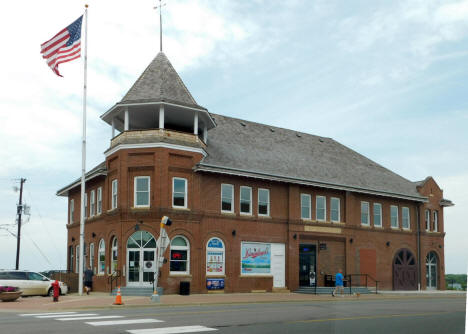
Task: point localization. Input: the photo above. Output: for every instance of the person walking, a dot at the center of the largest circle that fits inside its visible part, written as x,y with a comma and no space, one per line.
88,280
338,283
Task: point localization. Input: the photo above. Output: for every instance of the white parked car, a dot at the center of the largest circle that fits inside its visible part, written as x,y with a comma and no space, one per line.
30,282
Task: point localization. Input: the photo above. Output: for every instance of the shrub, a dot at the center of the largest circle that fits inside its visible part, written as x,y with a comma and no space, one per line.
8,289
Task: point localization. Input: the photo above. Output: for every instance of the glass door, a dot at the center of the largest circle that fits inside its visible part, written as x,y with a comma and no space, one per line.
149,266
307,274
133,267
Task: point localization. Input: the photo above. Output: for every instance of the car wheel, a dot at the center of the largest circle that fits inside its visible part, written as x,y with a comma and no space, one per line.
50,293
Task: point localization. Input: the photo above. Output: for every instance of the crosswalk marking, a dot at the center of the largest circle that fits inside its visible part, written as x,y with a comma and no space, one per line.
172,330
91,318
123,322
65,315
34,314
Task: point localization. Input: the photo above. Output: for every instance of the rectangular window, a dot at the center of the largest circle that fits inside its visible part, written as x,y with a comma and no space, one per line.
377,215
365,213
92,204
99,200
428,220
179,192
114,194
227,198
71,259
85,205
405,218
394,216
436,221
72,210
305,206
246,200
91,256
142,191
263,202
321,208
335,209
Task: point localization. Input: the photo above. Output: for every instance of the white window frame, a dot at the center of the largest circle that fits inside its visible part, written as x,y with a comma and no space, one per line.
232,197
101,250
250,201
308,199
77,259
72,210
223,250
85,205
114,251
92,203
436,220
377,205
407,210
115,193
397,221
336,199
367,213
99,201
428,219
267,203
324,208
187,248
135,191
185,192
91,256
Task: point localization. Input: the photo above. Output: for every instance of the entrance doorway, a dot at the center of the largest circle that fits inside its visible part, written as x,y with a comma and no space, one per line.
307,265
431,271
141,255
405,271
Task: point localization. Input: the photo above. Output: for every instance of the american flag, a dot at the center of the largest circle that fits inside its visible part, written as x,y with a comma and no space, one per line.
63,47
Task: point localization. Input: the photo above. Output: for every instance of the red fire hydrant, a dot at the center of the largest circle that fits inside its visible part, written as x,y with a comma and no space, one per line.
56,288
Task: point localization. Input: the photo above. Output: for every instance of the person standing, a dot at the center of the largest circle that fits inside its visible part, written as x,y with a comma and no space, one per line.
88,280
338,283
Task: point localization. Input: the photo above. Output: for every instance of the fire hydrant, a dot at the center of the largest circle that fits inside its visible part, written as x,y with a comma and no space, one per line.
56,288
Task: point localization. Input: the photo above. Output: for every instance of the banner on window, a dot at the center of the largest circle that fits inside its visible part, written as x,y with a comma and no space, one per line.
214,262
255,258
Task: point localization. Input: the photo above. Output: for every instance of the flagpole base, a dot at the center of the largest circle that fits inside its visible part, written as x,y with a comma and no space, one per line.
155,298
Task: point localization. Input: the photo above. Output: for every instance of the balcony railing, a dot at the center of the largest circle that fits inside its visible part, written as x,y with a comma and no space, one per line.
157,135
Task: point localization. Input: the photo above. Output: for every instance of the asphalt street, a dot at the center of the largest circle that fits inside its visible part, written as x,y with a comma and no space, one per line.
343,315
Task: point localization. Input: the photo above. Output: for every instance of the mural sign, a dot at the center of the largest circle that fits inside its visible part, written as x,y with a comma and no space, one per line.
215,283
255,258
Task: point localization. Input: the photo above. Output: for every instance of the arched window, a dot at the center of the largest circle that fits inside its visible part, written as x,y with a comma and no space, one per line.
102,257
114,255
215,257
180,255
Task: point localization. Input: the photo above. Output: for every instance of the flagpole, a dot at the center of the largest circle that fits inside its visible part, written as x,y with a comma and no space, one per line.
83,161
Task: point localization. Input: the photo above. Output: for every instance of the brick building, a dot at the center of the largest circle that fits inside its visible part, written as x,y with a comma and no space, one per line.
254,207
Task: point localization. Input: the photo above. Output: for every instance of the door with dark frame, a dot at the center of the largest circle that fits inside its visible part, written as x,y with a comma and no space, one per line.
307,265
405,271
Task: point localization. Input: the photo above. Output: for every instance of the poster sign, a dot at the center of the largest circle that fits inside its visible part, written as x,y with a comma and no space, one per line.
255,258
215,243
215,283
214,262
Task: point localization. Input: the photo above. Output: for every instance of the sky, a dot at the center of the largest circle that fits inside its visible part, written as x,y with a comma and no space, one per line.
385,78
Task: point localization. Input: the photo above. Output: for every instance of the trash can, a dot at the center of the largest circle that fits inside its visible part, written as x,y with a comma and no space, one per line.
184,288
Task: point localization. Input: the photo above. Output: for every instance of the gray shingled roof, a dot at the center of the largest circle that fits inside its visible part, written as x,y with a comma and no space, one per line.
266,150
160,82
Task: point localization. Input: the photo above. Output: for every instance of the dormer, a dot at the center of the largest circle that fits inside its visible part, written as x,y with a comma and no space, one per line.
159,107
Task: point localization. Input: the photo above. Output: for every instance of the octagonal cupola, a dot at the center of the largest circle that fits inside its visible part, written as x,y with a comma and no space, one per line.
157,105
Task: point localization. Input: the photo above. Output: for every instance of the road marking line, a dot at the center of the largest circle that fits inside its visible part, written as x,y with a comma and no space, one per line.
123,322
173,330
65,315
34,314
91,318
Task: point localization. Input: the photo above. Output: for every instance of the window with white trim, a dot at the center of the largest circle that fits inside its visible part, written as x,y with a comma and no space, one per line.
72,210
227,198
115,189
180,256
77,257
141,191
306,206
71,259
215,257
321,208
92,203
335,209
102,257
405,218
394,216
85,205
377,215
99,200
245,200
179,192
365,213
428,220
436,221
91,256
263,202
114,252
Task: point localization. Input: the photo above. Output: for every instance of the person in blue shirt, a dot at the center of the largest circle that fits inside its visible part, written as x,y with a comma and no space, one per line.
338,283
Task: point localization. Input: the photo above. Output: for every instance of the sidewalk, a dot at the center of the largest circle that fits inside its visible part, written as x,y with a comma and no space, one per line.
104,300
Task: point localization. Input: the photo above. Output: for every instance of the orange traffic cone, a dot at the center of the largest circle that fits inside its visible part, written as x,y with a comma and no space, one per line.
118,298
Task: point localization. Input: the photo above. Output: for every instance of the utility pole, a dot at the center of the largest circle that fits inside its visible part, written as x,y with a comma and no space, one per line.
19,211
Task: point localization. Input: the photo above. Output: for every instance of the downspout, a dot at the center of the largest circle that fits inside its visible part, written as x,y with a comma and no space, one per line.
419,245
